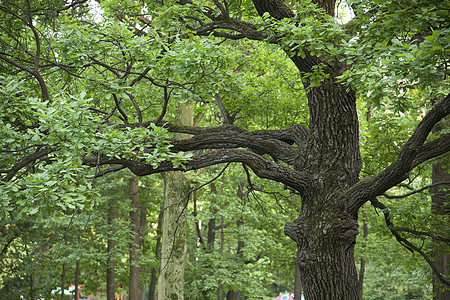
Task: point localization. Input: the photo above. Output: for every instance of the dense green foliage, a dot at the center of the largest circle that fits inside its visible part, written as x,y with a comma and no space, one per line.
78,83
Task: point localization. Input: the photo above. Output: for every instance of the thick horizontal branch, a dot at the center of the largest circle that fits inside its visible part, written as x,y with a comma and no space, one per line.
245,30
412,154
297,134
262,166
276,143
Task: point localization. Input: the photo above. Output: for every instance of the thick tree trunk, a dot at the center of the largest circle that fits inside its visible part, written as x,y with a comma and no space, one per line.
326,263
173,250
325,231
440,207
135,246
230,295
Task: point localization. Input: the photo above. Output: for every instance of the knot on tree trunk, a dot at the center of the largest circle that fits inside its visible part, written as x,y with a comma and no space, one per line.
291,230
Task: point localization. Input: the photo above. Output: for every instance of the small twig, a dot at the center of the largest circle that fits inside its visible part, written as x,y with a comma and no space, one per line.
416,191
164,108
122,112
107,171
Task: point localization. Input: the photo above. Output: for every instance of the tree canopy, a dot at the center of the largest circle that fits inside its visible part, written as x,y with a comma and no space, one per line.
340,111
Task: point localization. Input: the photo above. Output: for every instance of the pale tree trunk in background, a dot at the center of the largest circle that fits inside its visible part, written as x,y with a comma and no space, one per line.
110,267
439,207
173,250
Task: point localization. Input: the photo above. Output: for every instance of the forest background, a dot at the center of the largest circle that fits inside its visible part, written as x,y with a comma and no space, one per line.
97,94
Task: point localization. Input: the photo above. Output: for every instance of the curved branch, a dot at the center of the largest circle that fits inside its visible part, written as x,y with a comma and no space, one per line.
137,108
277,149
262,166
412,154
277,143
416,191
37,75
246,30
164,108
434,237
122,112
26,161
404,242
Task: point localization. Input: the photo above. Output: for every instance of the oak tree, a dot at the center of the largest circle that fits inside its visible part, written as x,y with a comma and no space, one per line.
388,50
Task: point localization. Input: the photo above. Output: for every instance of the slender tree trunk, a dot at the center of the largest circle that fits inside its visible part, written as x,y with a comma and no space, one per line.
211,224
142,224
230,295
77,280
110,268
135,244
222,244
152,287
34,281
173,250
240,244
31,287
63,277
440,207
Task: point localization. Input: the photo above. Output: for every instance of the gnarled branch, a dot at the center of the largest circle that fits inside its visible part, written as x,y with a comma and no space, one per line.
262,166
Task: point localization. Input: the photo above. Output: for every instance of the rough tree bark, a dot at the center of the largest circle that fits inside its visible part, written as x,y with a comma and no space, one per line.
173,250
